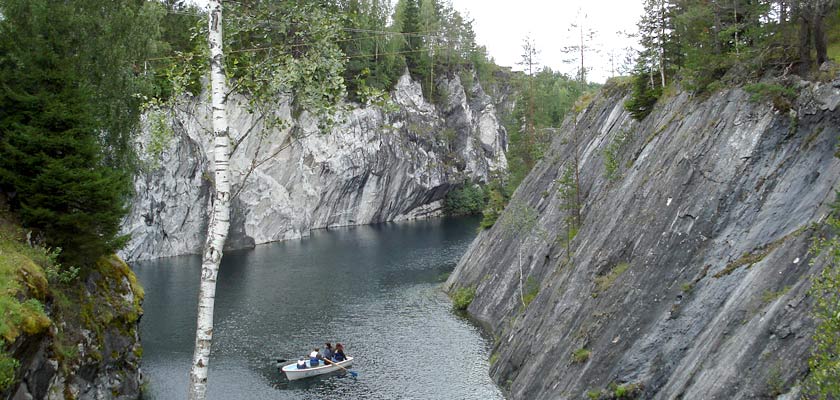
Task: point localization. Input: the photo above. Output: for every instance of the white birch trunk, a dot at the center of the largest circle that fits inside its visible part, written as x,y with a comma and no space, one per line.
217,229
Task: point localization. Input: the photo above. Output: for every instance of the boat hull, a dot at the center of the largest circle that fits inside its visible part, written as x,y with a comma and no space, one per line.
293,373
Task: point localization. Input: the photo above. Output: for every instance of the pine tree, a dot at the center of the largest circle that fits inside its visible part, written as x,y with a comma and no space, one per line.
413,38
53,133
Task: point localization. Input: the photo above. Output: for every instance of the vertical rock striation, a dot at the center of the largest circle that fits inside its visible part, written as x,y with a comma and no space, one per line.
688,277
379,164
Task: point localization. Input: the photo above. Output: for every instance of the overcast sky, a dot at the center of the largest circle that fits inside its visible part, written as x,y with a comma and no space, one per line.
501,25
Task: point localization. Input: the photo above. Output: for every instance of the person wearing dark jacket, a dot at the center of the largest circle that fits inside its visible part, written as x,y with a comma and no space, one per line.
338,354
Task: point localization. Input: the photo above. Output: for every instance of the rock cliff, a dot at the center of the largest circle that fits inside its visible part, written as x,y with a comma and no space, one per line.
82,343
378,164
688,275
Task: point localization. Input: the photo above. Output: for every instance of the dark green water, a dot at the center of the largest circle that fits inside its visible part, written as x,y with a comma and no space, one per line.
374,288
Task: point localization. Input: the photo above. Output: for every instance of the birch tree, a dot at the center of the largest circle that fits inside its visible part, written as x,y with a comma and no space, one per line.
217,229
290,51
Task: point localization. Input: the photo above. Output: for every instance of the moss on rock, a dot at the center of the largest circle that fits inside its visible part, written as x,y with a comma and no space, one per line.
84,323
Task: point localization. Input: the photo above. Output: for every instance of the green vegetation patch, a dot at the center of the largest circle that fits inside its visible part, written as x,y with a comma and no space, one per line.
103,310
23,288
532,289
469,199
584,101
31,276
581,355
605,282
615,391
462,297
775,381
833,35
643,97
618,85
494,357
782,97
612,153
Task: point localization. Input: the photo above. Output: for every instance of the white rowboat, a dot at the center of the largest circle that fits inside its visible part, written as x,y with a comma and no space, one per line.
293,373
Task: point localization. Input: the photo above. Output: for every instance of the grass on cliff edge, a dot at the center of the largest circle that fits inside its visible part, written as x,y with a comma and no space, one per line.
23,289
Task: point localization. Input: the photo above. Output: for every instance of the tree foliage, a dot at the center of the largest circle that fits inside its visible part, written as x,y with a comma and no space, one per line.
378,40
469,199
69,90
704,44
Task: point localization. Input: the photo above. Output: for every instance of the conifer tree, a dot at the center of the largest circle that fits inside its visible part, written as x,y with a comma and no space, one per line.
413,37
67,116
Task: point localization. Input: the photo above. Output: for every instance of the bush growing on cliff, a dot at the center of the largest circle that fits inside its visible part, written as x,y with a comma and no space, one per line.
462,297
643,96
612,154
497,198
581,355
782,97
615,391
532,289
8,366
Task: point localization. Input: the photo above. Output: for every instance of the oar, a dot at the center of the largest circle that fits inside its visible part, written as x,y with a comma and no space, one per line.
353,374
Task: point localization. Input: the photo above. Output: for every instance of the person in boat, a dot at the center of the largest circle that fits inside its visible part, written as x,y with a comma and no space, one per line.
338,354
327,353
301,364
314,358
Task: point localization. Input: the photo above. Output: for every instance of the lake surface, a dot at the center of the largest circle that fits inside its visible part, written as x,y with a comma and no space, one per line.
376,289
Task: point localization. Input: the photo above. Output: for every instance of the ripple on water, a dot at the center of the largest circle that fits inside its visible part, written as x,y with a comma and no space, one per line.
375,288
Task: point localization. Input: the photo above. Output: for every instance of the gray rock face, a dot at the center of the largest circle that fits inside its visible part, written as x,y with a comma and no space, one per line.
103,362
377,165
690,272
